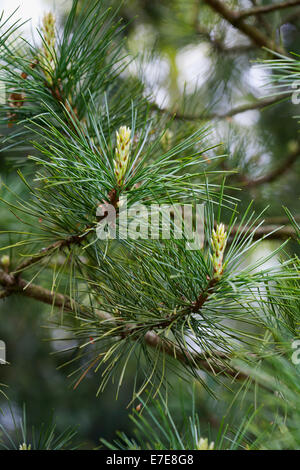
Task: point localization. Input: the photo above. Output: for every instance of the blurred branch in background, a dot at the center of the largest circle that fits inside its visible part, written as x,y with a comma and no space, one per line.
207,116
236,20
258,10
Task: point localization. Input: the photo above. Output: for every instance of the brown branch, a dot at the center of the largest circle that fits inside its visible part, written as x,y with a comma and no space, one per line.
281,220
217,363
202,298
267,8
256,36
13,285
58,245
73,239
274,174
261,104
269,177
280,233
17,285
214,364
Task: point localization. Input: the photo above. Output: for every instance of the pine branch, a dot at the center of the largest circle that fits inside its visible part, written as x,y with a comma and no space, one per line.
256,36
49,250
281,219
204,296
267,8
273,232
199,360
60,244
285,166
261,104
276,173
13,285
22,287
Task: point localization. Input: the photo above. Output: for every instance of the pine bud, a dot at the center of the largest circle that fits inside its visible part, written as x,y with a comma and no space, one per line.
47,56
122,153
218,242
24,446
203,444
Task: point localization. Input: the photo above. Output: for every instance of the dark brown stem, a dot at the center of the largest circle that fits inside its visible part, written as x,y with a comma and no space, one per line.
204,295
193,308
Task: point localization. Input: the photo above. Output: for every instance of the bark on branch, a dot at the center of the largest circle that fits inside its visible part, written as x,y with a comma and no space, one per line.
213,364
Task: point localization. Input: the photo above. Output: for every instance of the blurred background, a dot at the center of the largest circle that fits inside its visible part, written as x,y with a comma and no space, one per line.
195,64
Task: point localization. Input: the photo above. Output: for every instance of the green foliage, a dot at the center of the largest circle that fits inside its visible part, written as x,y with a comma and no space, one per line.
45,437
157,429
167,289
89,61
214,314
275,385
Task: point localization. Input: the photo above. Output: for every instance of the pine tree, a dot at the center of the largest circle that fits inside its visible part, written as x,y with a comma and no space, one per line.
95,159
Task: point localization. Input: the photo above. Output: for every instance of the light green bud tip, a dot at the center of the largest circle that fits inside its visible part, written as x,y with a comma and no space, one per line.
122,153
203,444
218,243
24,446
